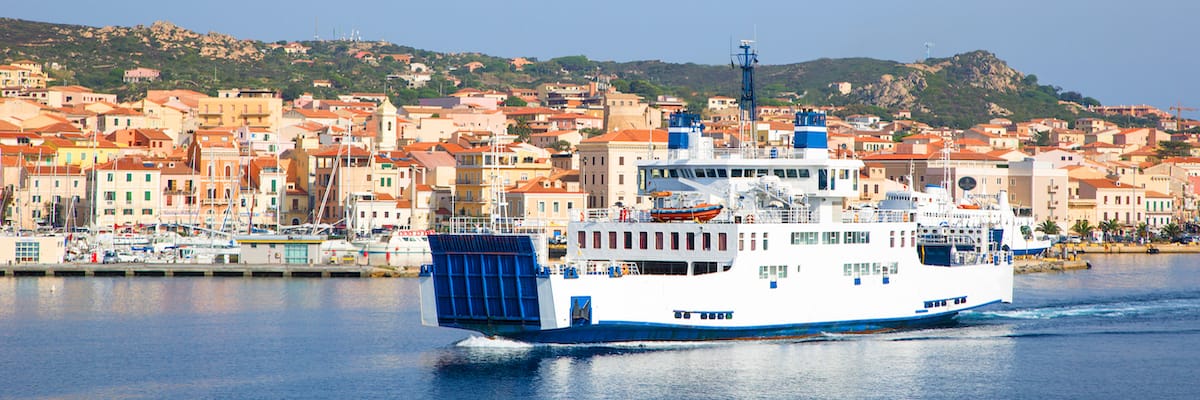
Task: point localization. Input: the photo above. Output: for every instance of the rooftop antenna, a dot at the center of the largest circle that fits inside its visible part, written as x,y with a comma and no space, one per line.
928,48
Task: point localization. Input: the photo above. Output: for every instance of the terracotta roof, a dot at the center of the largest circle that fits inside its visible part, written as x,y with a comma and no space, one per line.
338,151
631,135
1150,194
1104,184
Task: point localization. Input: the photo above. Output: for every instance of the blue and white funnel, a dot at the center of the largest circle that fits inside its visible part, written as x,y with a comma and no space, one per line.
683,133
810,138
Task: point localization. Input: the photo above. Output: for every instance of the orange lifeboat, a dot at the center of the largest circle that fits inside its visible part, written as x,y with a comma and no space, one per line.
700,212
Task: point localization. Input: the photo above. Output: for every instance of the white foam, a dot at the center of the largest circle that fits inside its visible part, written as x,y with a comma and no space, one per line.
1120,309
492,343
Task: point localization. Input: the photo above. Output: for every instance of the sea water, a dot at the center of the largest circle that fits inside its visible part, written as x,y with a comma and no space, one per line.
1128,328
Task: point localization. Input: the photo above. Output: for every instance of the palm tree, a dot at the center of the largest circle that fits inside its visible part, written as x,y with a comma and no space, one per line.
1171,230
1048,227
1143,230
1111,225
1083,228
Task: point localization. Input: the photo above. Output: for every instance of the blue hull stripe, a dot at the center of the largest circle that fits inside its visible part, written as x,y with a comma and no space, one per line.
1027,252
627,331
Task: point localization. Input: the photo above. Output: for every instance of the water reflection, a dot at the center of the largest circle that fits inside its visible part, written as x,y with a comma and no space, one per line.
910,364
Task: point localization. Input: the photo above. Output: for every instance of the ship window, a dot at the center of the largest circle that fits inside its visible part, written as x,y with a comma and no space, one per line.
764,241
700,173
612,240
741,241
893,239
902,238
804,173
673,172
722,173
846,269
753,241
779,172
658,240
913,238
596,240
763,272
721,239
674,240
706,241
628,240
582,240
642,236
830,238
691,241
822,179
805,238
791,174
712,173
704,267
760,172
735,173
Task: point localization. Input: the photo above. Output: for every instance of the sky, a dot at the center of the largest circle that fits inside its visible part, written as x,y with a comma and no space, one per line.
1119,52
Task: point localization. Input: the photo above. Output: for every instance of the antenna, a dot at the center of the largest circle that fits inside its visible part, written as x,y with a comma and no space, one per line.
316,27
928,48
747,105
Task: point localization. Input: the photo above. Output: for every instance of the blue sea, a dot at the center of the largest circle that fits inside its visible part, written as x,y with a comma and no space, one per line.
1128,328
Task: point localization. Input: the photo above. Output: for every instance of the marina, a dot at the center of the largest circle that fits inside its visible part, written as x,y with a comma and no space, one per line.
172,270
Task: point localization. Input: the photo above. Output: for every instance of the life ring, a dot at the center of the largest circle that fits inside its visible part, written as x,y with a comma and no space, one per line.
624,270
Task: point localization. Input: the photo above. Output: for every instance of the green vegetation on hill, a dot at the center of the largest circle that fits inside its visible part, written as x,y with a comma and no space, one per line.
958,91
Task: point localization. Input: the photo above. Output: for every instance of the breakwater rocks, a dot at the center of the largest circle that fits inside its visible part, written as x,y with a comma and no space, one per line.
1038,265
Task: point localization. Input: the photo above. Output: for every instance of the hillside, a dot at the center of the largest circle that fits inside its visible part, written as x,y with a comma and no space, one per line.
957,91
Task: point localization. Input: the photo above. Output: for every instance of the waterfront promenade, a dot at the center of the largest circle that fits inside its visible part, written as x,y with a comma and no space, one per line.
222,270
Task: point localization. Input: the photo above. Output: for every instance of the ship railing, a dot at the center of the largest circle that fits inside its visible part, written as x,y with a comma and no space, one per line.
611,214
850,216
781,216
461,225
754,153
609,268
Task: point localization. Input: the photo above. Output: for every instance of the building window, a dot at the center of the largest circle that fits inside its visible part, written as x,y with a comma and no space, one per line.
294,253
28,252
147,195
128,177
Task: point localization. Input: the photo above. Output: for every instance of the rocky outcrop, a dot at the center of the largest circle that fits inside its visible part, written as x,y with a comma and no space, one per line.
982,69
166,36
893,92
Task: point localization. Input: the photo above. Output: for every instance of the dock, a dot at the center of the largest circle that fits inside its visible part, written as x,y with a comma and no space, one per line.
201,270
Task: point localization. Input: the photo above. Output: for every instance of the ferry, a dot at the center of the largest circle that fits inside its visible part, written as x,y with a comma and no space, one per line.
934,207
784,257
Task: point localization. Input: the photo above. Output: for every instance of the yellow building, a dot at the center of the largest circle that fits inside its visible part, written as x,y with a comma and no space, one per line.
253,108
484,170
82,153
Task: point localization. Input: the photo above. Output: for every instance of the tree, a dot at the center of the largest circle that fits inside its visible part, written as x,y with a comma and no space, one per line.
1143,230
1041,138
514,101
1108,227
1167,149
562,145
591,132
1048,227
521,130
1083,228
1171,231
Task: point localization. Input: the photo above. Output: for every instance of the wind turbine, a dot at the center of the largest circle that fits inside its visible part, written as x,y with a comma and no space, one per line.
928,47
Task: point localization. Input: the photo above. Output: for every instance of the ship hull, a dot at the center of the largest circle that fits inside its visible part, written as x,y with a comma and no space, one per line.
498,285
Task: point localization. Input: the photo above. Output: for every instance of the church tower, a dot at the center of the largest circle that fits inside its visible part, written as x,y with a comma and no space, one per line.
385,128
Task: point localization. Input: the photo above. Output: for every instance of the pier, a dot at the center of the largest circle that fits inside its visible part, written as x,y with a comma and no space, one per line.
200,270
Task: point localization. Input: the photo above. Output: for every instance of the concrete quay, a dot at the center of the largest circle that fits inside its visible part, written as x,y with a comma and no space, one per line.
219,270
